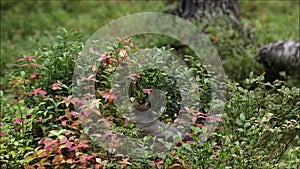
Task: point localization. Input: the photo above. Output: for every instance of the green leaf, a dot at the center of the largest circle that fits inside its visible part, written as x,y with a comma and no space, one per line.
246,125
188,147
22,73
251,74
227,140
240,129
29,156
16,143
242,117
168,161
239,122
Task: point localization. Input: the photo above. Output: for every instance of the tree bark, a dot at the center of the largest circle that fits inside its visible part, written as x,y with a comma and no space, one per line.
190,8
209,10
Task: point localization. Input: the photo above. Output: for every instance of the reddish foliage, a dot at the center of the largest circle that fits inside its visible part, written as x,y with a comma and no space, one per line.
28,58
38,91
108,96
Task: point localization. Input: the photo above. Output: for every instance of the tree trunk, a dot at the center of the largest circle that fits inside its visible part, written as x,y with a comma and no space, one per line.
206,11
200,8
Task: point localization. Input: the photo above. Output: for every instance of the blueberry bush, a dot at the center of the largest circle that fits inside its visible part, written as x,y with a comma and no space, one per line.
41,124
41,128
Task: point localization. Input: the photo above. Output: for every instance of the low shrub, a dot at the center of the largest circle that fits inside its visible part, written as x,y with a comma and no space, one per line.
41,125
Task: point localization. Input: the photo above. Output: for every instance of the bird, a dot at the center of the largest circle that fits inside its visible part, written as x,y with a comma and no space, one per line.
282,55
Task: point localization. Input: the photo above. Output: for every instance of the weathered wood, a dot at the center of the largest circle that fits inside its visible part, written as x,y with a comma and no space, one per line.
280,56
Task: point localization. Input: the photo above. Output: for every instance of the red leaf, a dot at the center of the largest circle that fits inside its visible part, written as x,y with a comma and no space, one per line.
101,56
38,91
48,143
39,120
70,155
148,91
69,100
83,145
23,65
75,114
108,96
107,60
74,124
31,64
86,113
125,162
18,120
2,134
29,58
91,50
63,139
64,123
216,118
20,60
113,59
33,75
133,76
84,158
57,85
89,79
58,159
69,146
126,122
105,135
113,138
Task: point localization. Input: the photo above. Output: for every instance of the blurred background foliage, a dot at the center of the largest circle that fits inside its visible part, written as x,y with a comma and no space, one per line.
29,25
